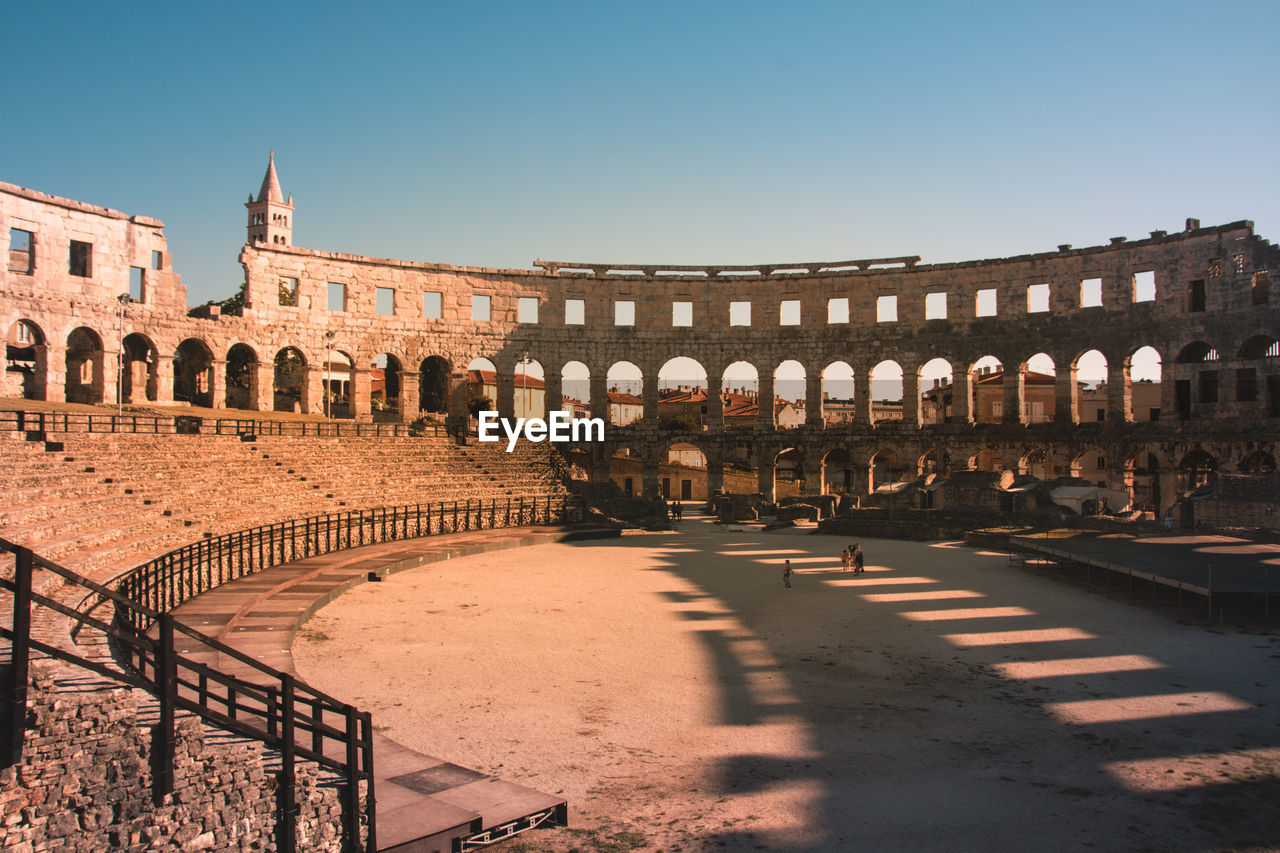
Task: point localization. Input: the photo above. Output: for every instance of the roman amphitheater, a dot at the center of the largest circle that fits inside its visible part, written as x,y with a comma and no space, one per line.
267,591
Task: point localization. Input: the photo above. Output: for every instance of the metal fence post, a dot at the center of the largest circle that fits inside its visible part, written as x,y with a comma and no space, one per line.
15,710
351,794
166,676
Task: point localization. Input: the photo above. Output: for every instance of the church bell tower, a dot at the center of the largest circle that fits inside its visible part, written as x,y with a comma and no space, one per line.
270,217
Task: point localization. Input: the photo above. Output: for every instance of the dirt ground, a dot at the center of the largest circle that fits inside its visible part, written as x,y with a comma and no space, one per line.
681,698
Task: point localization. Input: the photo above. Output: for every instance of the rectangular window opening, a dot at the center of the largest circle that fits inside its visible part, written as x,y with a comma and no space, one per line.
527,310
1196,295
1037,298
157,259
575,312
624,313
385,298
739,313
789,312
838,309
22,254
682,313
1091,293
1144,286
1246,385
80,259
985,303
337,293
135,284
1209,386
432,305
935,306
1261,289
886,309
287,288
481,307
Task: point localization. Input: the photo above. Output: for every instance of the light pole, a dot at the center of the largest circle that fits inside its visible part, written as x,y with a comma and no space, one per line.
324,375
524,383
122,300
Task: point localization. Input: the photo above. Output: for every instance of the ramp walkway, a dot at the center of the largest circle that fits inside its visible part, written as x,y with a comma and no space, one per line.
425,804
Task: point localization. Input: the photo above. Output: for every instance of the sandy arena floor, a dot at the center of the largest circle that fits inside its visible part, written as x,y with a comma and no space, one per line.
682,699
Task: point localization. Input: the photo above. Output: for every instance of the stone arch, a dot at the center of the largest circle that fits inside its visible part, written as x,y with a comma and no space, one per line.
193,379
885,383
84,366
789,474
884,468
1038,462
1195,353
139,368
1260,346
529,388
580,464
337,383
1142,376
482,386
740,473
789,394
1092,464
682,472
386,402
934,461
434,373
839,388
242,377
839,475
986,390
1259,463
1038,377
575,389
625,383
1089,375
1142,476
26,361
986,459
935,383
739,394
289,381
682,394
1196,468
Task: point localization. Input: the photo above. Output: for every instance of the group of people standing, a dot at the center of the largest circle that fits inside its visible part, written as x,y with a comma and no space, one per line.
851,559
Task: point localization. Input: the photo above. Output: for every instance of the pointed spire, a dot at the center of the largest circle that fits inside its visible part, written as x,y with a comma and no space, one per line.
270,183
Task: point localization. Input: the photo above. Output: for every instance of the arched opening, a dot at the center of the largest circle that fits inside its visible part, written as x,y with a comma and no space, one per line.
626,469
193,373
1142,480
1142,372
335,381
575,389
741,475
1089,372
937,390
682,475
837,394
384,388
242,377
885,472
1192,385
838,472
1196,469
1259,463
1039,377
1264,349
433,385
26,372
482,386
625,382
1091,465
986,384
682,395
788,474
886,392
289,381
740,391
986,460
529,389
788,395
579,464
1039,464
84,366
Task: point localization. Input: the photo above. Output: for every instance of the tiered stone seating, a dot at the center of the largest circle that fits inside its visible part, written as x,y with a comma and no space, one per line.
105,503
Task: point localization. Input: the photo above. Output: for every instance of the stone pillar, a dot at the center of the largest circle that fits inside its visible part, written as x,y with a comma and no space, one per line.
813,399
110,377
961,398
599,402
1064,398
459,391
911,398
313,393
1012,385
361,402
715,407
409,398
861,396
765,401
1119,394
164,379
262,392
506,402
649,393
765,478
217,374
715,476
553,397
649,477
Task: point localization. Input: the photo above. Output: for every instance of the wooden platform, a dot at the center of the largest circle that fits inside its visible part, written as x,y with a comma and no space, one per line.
424,803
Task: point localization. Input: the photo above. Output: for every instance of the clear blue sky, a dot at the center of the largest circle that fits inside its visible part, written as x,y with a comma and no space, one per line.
495,133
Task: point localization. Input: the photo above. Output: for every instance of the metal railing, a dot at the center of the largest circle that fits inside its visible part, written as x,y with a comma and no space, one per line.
283,713
77,422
